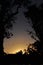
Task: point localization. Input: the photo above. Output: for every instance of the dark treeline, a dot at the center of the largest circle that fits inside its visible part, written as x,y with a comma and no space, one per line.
21,59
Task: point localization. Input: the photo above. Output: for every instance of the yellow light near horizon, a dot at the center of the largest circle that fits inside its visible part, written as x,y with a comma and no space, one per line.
16,51
13,45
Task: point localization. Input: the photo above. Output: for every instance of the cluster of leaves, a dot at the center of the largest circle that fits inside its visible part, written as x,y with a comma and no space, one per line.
7,16
36,15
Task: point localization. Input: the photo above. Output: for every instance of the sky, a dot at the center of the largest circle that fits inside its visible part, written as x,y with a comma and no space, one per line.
20,39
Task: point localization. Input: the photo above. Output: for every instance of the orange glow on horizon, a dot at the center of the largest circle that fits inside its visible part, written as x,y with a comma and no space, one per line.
16,51
13,45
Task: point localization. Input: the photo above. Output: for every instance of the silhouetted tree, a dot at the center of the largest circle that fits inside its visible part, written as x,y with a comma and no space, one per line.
36,15
7,17
32,49
19,53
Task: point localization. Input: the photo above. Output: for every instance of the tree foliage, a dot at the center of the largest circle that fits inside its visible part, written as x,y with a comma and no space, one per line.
36,15
8,10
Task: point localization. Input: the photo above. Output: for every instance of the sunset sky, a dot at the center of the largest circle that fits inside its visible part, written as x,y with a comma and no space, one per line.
20,39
